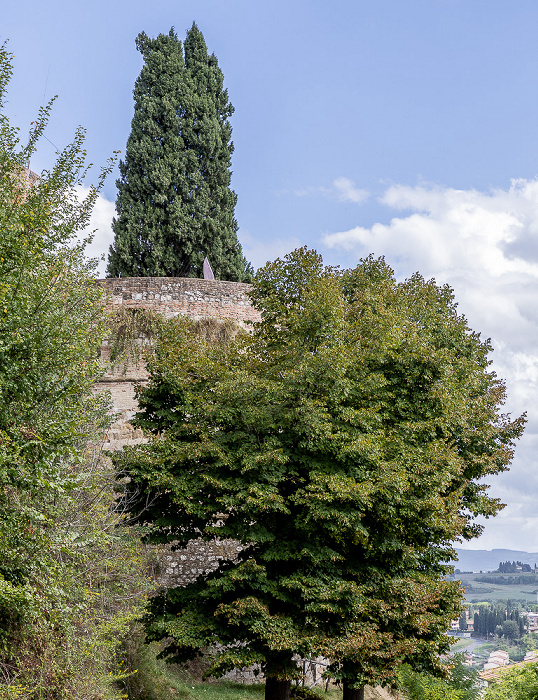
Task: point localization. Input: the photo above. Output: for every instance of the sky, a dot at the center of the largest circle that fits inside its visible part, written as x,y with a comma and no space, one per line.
403,129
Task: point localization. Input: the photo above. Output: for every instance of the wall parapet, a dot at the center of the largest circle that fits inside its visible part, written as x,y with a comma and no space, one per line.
188,296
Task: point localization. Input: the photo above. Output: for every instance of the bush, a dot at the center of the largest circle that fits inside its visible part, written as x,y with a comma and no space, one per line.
72,575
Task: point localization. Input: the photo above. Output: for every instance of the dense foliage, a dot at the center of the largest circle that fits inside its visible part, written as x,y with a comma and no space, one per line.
500,620
460,683
70,574
175,205
343,443
510,567
519,683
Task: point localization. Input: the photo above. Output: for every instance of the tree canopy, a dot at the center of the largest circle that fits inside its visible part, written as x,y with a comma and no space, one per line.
175,205
343,443
518,683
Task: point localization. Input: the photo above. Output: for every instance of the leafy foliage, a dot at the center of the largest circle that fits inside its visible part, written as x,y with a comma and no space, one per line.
70,574
175,205
421,686
300,693
519,683
343,444
130,332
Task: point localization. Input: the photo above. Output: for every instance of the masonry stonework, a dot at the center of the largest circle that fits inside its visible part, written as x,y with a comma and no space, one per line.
171,296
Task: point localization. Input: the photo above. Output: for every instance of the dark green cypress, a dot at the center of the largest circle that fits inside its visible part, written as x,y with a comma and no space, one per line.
175,205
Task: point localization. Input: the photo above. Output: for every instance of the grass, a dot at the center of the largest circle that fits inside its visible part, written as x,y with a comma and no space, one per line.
236,691
461,645
153,679
482,652
171,688
223,691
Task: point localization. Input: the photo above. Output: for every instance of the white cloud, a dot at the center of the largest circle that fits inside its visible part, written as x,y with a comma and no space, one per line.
347,192
100,222
485,246
342,189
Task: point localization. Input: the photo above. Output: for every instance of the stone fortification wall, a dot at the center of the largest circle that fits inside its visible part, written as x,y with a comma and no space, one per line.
171,296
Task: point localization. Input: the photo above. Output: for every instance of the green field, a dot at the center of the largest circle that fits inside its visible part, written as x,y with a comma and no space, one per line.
478,591
461,645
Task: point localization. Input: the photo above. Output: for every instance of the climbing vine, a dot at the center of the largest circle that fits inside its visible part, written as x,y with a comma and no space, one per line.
131,331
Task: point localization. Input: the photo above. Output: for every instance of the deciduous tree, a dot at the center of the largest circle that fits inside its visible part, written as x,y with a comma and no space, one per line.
69,572
519,683
343,444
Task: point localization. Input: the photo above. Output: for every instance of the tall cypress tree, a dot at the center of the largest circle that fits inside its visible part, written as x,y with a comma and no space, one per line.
175,205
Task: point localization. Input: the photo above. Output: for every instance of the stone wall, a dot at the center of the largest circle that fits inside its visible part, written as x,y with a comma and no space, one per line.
171,296
199,557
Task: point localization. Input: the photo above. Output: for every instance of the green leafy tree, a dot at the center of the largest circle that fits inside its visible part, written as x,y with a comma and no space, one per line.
343,444
67,566
510,629
519,683
175,205
459,685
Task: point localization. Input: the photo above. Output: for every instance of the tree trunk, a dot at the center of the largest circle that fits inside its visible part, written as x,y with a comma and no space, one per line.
353,693
277,690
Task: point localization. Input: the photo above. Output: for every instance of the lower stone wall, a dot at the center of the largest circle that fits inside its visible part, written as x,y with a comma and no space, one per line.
199,557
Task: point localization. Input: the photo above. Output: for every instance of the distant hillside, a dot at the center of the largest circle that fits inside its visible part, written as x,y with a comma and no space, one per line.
488,560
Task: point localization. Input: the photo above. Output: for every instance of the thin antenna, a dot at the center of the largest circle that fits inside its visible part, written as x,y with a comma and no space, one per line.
46,83
52,144
44,97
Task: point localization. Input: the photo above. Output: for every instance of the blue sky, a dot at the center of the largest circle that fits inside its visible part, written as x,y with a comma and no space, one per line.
405,129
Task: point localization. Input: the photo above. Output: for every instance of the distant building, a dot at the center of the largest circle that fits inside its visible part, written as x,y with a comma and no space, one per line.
469,624
497,658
